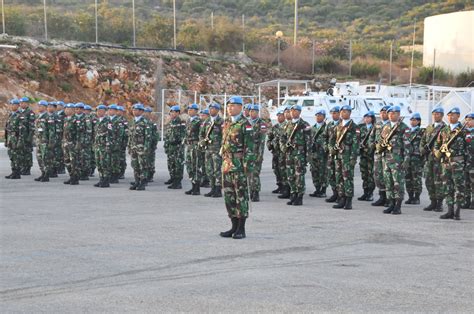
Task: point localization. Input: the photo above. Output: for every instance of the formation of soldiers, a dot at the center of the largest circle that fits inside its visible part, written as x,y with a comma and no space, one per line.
223,149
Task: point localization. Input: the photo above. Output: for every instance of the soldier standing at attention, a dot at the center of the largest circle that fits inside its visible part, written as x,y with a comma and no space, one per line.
378,160
451,149
124,142
84,136
273,145
237,163
42,141
203,115
90,156
155,137
259,133
395,148
433,171
285,193
139,146
28,118
174,148
346,150
118,131
367,149
331,140
15,137
414,172
58,150
318,155
298,135
103,139
70,144
470,161
192,149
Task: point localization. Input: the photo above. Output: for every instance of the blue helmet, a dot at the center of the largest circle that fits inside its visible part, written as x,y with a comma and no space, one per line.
193,106
455,110
70,105
138,106
120,108
24,99
470,115
15,101
79,105
438,110
148,109
215,105
87,107
101,107
369,113
236,100
335,109
205,111
113,107
320,111
176,108
394,109
43,103
415,116
255,107
296,107
60,103
346,107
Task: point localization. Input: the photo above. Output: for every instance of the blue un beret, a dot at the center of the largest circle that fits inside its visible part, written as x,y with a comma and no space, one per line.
236,100
320,111
148,109
193,106
438,110
415,116
15,101
101,107
394,109
42,103
455,110
175,108
297,107
346,107
215,105
205,111
138,106
369,113
335,109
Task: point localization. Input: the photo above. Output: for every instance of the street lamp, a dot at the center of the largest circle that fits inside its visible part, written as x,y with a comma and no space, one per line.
279,35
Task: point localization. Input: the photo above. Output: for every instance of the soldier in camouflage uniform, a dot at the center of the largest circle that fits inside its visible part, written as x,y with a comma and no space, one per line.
192,149
58,150
367,149
378,160
139,146
432,169
119,130
70,145
395,148
259,132
331,163
174,148
84,135
45,139
318,155
273,145
28,119
124,140
414,173
346,150
15,137
237,163
155,137
451,149
298,135
210,142
285,190
103,141
470,161
91,154
205,182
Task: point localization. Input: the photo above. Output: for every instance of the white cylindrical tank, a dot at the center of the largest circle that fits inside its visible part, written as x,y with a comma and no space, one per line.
452,35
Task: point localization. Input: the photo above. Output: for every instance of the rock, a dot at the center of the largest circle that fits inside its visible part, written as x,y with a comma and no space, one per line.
116,85
33,86
88,78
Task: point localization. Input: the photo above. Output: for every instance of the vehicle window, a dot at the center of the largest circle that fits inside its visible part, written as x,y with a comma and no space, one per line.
308,103
332,101
290,102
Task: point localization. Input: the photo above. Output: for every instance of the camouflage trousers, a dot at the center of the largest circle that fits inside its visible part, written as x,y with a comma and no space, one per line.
27,156
85,158
434,178
192,163
71,159
103,162
295,171
151,162
123,161
331,172
394,178
139,164
282,169
236,196
213,168
254,179
470,185
276,168
59,157
366,165
379,172
318,167
92,163
45,157
414,174
115,165
15,158
176,163
454,181
344,176
202,166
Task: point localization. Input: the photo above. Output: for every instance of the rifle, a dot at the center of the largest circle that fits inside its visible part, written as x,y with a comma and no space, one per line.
206,139
444,149
339,140
429,146
385,142
318,133
289,144
366,138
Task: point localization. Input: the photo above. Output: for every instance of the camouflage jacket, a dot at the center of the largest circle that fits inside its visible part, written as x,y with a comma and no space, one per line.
470,150
155,134
84,130
415,137
331,135
283,139
139,135
273,138
118,133
430,133
103,134
378,130
458,147
298,136
192,130
175,135
15,131
367,139
45,129
28,118
69,131
124,140
318,139
214,131
260,128
400,147
348,137
237,149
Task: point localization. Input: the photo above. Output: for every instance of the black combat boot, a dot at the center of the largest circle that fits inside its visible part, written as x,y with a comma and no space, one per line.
197,189
169,181
416,199
54,173
341,202
431,206
16,174
457,213
205,184
382,199
292,199
38,179
391,206
176,185
348,204
189,192
114,179
74,180
449,214
298,200
240,232
10,175
229,233
397,209
135,183
370,195
439,206
141,185
472,204
410,198
68,181
333,197
255,197
316,192
322,193
285,192
25,172
61,170
105,183
99,184
45,178
363,197
278,189
217,192
211,193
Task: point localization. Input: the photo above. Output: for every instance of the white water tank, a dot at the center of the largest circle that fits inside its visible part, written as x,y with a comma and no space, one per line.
452,35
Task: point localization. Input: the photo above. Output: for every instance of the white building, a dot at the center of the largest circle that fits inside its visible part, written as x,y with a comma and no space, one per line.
452,37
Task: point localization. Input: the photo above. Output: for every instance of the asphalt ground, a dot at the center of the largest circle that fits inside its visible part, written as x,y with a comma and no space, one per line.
85,249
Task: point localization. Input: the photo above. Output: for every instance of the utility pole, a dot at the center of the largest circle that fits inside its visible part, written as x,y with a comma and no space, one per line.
313,57
243,33
296,23
45,21
133,21
412,55
3,19
96,24
174,24
212,20
390,68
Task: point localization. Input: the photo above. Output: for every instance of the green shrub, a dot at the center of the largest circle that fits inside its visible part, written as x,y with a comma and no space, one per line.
425,75
65,87
198,67
326,64
465,78
365,69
